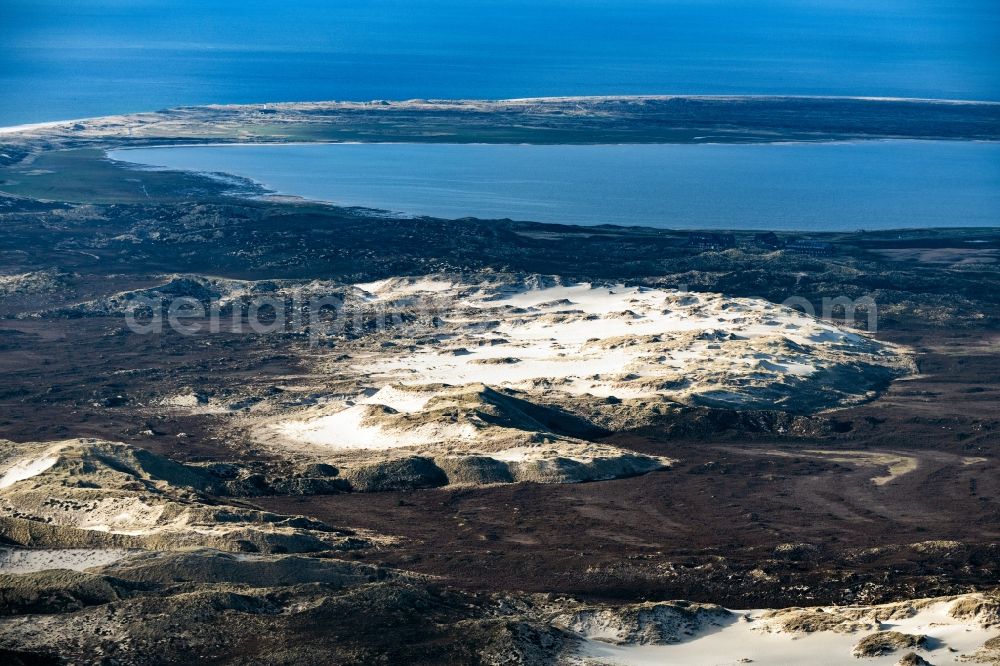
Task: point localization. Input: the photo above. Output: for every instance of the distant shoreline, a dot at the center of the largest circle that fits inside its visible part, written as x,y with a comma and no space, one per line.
416,102
751,118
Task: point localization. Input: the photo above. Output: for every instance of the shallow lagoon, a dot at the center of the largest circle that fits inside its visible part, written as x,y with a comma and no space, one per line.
814,186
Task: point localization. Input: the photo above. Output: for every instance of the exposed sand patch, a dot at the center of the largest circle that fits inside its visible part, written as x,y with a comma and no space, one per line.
432,348
22,470
359,427
757,636
626,342
399,399
395,288
896,464
20,560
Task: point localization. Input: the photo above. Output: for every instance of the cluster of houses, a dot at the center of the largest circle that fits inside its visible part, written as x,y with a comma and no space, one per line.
716,242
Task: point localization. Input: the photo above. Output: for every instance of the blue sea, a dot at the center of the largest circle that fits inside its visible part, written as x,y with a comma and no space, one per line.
814,186
62,59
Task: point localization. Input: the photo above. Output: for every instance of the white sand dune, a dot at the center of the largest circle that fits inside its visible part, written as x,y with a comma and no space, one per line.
355,428
553,341
23,470
581,338
400,400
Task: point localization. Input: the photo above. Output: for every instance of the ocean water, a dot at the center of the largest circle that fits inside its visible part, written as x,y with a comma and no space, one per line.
828,187
62,59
